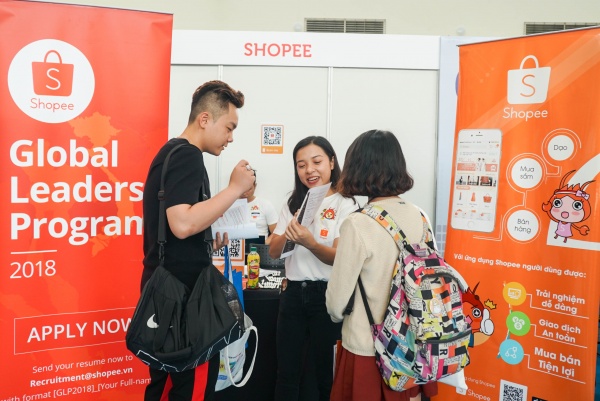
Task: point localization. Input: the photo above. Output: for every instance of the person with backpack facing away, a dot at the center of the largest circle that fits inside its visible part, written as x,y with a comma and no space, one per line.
190,211
303,317
374,167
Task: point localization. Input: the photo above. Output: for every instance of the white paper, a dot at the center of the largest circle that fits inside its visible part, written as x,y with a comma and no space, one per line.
310,205
236,222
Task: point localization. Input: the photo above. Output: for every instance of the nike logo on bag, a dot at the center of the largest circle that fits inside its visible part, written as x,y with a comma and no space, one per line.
151,323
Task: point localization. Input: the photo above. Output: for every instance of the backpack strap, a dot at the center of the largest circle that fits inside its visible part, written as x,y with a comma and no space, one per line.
364,297
162,236
380,215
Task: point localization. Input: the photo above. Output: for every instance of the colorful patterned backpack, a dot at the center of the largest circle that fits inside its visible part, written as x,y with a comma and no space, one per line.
424,335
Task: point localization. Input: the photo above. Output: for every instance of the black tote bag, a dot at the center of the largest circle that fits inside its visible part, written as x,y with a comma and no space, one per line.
173,329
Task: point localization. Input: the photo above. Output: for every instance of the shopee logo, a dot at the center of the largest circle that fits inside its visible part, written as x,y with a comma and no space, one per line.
528,85
50,78
51,81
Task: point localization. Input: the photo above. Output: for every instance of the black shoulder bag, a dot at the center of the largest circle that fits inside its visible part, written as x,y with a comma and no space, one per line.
173,329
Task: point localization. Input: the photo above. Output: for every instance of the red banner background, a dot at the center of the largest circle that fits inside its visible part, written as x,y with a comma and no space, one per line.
77,135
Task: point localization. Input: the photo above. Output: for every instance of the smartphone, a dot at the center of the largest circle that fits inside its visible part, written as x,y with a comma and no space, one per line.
475,186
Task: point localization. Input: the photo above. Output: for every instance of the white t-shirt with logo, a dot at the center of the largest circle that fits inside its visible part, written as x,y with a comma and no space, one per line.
303,264
263,214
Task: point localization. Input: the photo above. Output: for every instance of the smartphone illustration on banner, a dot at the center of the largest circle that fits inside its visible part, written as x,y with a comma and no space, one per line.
475,186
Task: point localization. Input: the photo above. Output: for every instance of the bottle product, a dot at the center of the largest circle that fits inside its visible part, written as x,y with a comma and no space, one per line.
253,268
245,277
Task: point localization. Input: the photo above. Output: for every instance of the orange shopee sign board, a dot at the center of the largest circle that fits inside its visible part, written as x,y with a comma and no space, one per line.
306,49
72,208
526,236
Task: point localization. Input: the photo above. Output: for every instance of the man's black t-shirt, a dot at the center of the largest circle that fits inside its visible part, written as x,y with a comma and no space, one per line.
186,182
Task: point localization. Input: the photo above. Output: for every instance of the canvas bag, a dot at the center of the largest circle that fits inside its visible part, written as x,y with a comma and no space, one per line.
424,335
233,357
175,329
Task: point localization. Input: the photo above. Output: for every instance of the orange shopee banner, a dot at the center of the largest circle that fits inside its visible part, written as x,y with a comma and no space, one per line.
524,219
84,109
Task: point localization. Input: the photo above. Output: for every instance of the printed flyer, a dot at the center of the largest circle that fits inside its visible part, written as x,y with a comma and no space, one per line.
524,217
85,96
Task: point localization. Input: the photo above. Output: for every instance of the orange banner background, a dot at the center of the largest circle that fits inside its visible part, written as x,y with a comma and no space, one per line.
535,288
85,97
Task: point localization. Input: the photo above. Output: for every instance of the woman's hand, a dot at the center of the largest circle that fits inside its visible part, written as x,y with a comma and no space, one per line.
299,234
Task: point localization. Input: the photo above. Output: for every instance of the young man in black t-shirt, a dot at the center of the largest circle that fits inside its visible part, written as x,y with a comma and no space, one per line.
190,212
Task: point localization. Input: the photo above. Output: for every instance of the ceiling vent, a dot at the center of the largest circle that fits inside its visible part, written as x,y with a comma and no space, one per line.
531,28
344,25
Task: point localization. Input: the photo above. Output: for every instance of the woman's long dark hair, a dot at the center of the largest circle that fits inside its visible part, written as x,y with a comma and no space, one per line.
300,190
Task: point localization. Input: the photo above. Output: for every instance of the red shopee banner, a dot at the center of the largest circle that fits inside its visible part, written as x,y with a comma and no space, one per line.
84,110
524,226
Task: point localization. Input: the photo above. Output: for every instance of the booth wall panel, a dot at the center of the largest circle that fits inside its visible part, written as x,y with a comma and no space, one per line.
338,103
401,101
184,81
295,97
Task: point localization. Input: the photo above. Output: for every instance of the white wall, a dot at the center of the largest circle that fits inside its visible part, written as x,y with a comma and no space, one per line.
407,17
292,96
338,103
401,101
335,102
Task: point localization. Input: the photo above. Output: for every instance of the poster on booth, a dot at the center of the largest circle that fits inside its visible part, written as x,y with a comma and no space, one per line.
84,99
271,138
524,216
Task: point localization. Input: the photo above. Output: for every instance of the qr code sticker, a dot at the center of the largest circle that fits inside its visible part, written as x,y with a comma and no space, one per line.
512,391
272,135
235,247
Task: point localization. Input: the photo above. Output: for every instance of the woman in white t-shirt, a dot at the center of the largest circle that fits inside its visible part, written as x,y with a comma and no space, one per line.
303,316
262,213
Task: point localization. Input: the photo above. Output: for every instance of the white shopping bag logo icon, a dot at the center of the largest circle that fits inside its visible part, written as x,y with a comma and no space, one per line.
528,85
